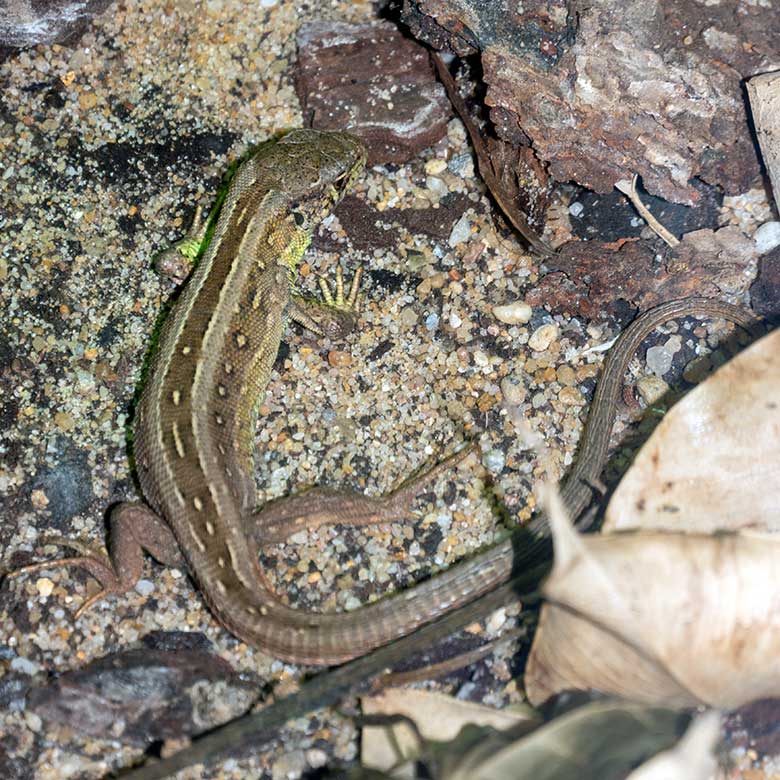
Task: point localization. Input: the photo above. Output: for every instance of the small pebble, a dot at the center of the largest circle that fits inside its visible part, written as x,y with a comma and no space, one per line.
651,388
350,602
461,231
496,621
64,421
290,765
144,587
316,758
576,209
435,166
462,165
571,396
594,331
39,499
436,185
513,390
542,337
432,322
338,358
25,666
659,358
767,237
33,721
698,369
455,321
566,376
513,313
408,317
493,461
44,586
481,359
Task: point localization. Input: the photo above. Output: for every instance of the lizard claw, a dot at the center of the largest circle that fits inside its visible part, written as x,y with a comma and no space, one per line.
353,299
95,563
336,315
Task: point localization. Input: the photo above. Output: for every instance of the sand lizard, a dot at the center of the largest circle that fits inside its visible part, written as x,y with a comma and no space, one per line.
195,422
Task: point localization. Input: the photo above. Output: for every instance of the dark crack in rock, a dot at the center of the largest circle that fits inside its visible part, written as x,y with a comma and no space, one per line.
765,292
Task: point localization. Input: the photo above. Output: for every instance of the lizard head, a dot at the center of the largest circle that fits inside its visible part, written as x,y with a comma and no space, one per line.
322,166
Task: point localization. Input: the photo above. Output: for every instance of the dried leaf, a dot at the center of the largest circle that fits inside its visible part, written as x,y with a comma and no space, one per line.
438,717
691,758
600,741
731,480
659,617
500,166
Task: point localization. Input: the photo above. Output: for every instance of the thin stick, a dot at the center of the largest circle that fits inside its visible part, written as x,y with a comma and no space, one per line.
629,190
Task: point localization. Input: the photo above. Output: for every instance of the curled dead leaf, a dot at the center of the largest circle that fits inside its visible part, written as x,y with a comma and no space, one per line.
691,758
713,463
658,617
599,741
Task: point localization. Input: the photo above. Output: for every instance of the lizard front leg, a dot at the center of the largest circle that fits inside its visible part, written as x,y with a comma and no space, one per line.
337,315
318,506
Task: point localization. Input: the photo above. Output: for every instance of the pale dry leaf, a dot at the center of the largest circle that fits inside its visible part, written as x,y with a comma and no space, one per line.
692,758
599,741
657,617
713,463
437,716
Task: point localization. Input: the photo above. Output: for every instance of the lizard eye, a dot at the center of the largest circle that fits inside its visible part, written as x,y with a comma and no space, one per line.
300,220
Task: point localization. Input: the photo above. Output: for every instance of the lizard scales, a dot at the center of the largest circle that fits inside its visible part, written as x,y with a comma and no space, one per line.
196,416
195,421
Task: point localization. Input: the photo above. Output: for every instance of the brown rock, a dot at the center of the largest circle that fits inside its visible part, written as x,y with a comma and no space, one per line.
720,262
338,358
604,92
590,278
369,79
765,292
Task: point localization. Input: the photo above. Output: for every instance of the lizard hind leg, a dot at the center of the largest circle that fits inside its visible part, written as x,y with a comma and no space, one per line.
318,506
133,528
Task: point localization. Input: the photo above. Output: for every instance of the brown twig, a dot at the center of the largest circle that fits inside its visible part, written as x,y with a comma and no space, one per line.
628,188
497,190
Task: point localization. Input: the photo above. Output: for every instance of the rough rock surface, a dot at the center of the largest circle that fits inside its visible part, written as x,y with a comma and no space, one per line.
589,278
605,91
373,81
25,23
